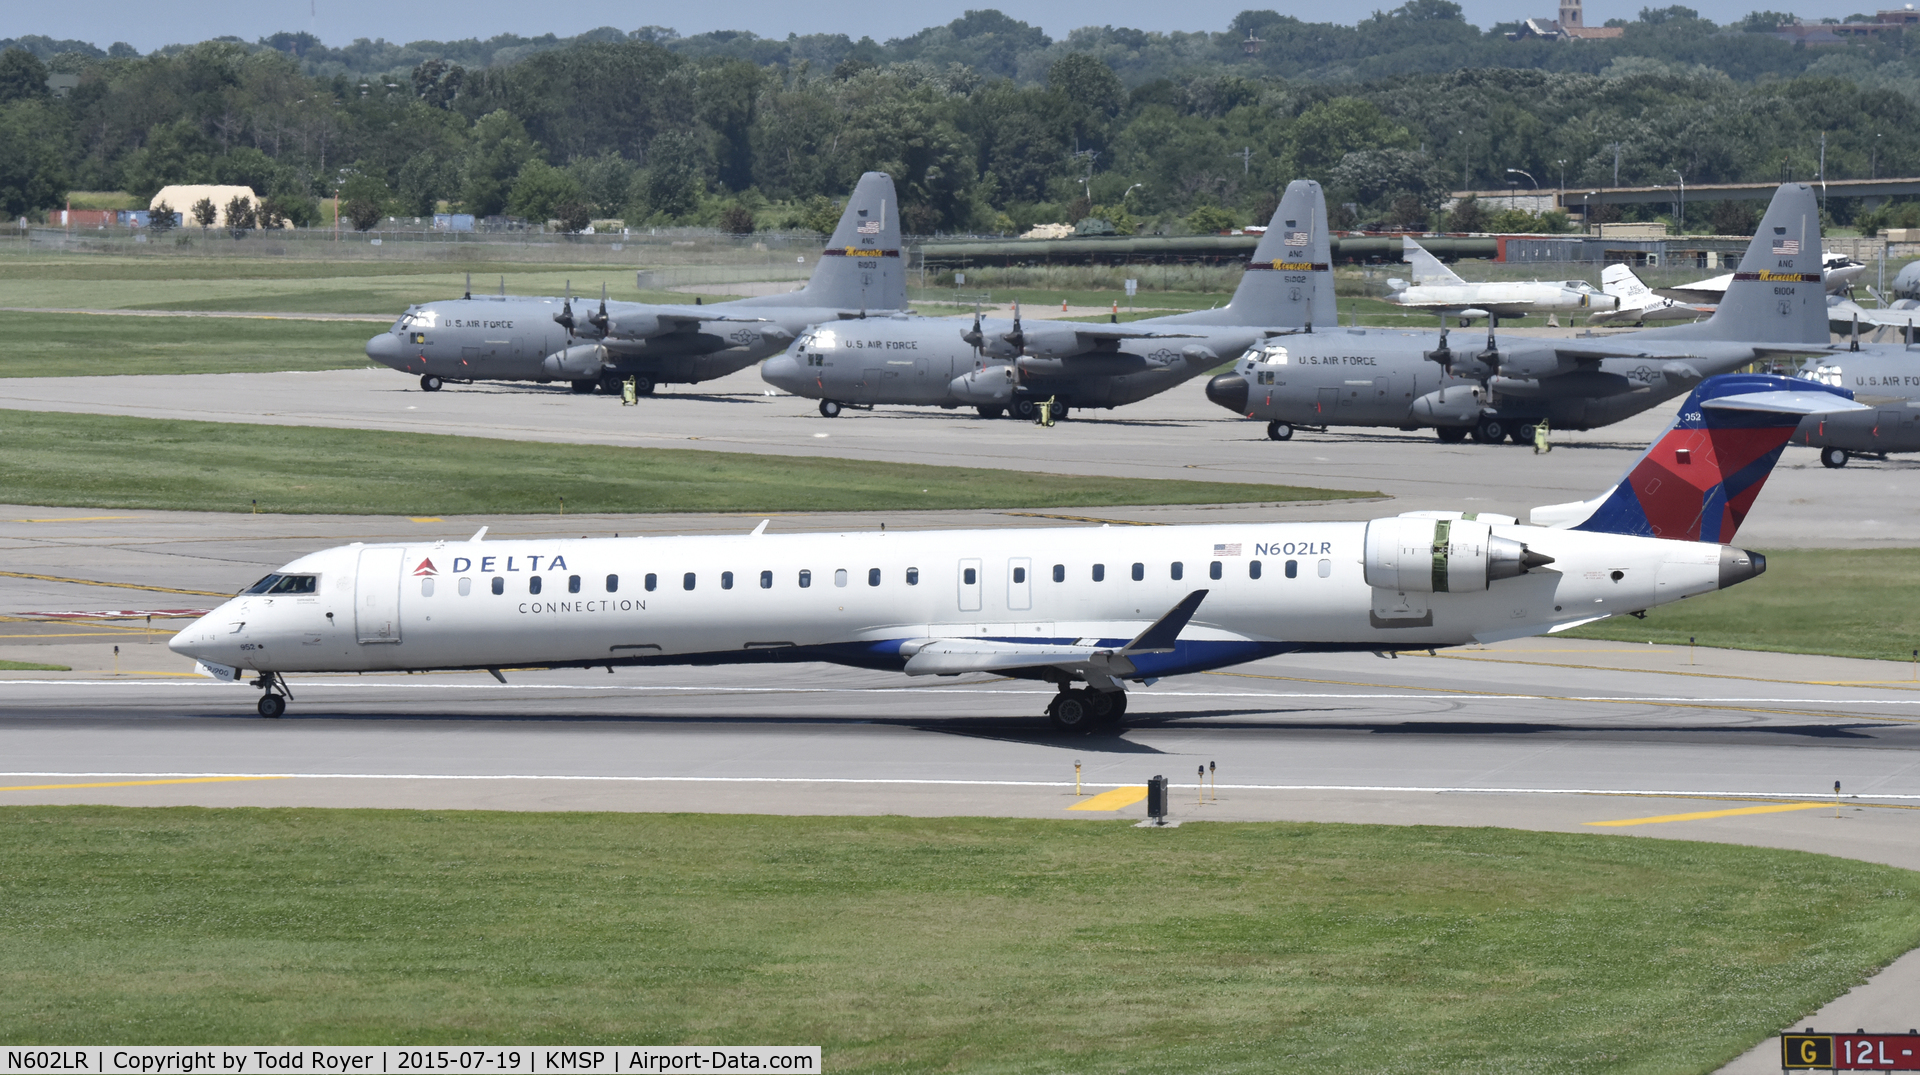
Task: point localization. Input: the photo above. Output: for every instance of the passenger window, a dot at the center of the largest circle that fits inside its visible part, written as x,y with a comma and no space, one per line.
970,576
1099,572
913,576
840,577
1326,568
1059,572
466,587
573,584
686,583
766,580
873,576
499,585
613,583
1253,569
1139,572
649,582
533,584
1019,574
426,587
806,578
1293,569
726,580
1213,570
1177,570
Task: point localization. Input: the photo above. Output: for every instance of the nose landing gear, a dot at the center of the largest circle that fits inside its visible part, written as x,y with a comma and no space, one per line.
274,694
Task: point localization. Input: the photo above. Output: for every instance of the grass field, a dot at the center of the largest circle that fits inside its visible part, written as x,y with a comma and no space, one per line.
905,945
32,666
59,345
81,460
1844,602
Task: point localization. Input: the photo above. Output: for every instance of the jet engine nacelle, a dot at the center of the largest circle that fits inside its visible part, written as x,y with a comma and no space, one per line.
580,362
990,386
1415,555
1454,405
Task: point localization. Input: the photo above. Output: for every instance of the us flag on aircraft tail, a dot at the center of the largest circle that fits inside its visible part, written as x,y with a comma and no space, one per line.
1786,246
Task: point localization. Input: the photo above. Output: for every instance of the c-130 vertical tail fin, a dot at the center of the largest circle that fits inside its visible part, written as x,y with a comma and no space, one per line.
861,268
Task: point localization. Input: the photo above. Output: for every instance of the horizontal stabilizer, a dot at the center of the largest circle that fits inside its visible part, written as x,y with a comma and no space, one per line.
1784,402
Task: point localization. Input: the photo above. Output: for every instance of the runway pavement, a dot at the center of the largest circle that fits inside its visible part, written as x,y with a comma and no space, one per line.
1175,435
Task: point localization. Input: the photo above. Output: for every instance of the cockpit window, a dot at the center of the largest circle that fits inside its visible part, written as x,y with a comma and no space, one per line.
285,584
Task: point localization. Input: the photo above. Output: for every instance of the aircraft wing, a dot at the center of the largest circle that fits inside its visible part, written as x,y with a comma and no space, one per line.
1841,314
953,656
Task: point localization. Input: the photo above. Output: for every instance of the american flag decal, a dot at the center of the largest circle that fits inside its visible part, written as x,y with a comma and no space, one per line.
1786,246
871,227
1227,550
1296,238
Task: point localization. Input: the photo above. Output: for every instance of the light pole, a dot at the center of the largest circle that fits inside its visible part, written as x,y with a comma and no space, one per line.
1513,203
1560,194
1683,200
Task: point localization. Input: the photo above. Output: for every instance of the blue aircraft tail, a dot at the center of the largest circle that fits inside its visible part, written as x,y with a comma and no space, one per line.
1698,480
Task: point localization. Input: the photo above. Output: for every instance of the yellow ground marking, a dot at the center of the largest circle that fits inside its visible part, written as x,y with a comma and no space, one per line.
142,783
80,519
1117,799
1080,518
424,519
1775,808
110,585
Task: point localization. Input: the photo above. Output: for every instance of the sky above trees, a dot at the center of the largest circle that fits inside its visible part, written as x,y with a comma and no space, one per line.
148,26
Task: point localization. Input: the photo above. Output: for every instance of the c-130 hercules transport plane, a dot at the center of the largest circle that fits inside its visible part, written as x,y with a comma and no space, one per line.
515,338
997,365
1102,606
1776,306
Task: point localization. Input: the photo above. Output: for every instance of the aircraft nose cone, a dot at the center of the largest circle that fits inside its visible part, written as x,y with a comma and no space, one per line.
387,350
1739,565
782,371
1230,391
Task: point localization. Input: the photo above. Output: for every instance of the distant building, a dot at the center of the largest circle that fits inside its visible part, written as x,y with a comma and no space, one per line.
1570,26
181,200
1885,23
62,85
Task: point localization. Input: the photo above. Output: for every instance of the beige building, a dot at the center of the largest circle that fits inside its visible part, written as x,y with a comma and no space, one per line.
181,199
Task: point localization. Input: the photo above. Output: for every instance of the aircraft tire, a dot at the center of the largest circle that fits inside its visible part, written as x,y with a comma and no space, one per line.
829,408
989,412
1451,434
272,705
1523,434
1490,431
1060,412
1279,431
429,383
1071,712
1834,458
581,388
1025,409
643,385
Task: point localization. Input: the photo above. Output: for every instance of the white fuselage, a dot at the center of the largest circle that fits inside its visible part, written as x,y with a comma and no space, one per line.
1272,588
1505,299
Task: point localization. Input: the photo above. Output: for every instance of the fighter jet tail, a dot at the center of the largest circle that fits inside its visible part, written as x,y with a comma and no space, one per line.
1777,294
1427,269
1699,479
861,268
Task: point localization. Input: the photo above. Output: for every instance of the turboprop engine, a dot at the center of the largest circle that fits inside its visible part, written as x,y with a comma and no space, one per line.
1427,555
988,386
581,362
1454,405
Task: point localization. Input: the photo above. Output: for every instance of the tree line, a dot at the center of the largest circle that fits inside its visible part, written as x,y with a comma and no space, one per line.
986,124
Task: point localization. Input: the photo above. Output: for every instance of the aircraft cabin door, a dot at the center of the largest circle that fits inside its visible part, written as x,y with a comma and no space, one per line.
1019,583
376,595
1329,399
969,585
1886,425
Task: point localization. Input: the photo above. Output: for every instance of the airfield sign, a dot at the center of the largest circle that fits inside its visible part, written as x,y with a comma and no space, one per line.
1850,1052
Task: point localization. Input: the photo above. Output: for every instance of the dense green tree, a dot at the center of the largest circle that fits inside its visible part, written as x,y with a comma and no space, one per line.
32,174
500,148
22,75
539,190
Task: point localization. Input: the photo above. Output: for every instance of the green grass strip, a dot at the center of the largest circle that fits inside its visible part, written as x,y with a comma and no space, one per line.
78,345
82,460
960,945
32,666
1839,602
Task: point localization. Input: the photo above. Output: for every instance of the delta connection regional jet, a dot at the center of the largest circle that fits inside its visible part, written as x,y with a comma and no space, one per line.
514,338
1098,606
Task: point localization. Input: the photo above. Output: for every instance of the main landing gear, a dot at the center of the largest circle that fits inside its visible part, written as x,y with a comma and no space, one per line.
829,408
1078,710
1833,458
1279,431
430,383
274,694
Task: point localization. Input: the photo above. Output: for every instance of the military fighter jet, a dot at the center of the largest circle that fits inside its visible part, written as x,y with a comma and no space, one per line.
1410,380
1636,302
512,338
1837,274
996,365
1436,287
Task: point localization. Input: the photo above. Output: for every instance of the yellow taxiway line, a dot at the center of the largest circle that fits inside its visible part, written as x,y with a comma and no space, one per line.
1117,799
146,783
1775,808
